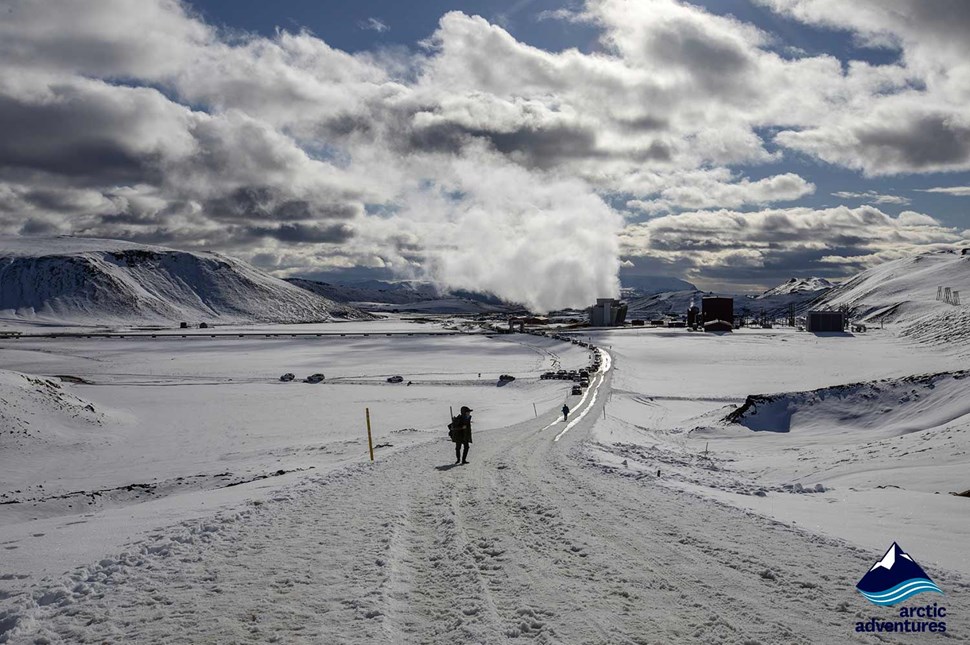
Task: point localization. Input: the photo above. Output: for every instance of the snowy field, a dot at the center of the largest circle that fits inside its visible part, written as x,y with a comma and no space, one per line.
174,490
869,464
170,415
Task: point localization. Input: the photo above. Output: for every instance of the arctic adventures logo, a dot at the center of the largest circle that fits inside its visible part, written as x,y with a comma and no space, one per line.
897,577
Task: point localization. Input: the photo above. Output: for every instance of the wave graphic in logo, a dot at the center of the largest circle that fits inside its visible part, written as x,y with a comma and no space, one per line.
894,578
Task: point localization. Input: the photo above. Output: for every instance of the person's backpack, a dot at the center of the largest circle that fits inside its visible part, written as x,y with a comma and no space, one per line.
454,428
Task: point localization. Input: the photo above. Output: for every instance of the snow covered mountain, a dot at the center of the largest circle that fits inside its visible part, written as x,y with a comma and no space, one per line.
89,281
802,293
798,285
646,285
905,292
901,291
774,302
369,291
406,295
667,303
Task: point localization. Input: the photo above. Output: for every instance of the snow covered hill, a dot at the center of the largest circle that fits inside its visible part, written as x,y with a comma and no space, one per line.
904,292
87,281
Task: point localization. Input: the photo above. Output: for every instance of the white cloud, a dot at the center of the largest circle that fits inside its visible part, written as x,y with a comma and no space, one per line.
107,38
923,123
912,218
896,135
956,191
707,189
709,246
374,24
872,197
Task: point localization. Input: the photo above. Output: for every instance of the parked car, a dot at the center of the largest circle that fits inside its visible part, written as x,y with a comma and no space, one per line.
584,382
286,378
506,377
577,390
547,375
314,378
395,379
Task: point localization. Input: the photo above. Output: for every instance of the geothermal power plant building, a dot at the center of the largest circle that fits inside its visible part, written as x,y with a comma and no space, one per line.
825,321
607,312
717,313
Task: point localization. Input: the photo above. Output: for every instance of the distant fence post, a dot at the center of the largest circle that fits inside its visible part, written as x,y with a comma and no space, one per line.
370,441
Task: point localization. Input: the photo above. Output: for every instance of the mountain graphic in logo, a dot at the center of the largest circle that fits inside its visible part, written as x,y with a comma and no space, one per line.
895,578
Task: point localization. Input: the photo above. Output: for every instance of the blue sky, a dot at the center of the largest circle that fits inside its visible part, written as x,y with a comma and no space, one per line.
534,149
339,23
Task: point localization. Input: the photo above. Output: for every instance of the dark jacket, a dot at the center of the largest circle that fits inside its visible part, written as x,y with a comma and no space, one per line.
462,429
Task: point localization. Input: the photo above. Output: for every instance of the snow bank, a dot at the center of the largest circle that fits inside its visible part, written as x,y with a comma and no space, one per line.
36,410
893,406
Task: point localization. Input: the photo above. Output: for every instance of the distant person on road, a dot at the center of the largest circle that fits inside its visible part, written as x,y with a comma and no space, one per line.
565,411
460,431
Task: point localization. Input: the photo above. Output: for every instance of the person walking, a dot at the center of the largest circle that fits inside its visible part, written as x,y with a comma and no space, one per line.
565,411
461,434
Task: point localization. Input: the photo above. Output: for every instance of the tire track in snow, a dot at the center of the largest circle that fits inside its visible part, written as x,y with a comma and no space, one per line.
600,379
436,587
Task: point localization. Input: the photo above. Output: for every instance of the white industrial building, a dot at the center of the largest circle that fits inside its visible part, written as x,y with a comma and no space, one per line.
607,312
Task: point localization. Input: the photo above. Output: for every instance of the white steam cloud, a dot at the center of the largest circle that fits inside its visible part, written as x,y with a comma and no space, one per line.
545,244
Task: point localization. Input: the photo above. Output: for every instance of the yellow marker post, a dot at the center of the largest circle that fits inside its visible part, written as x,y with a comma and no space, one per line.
370,441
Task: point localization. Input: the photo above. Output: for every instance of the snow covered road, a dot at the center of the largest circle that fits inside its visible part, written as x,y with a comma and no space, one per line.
533,539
